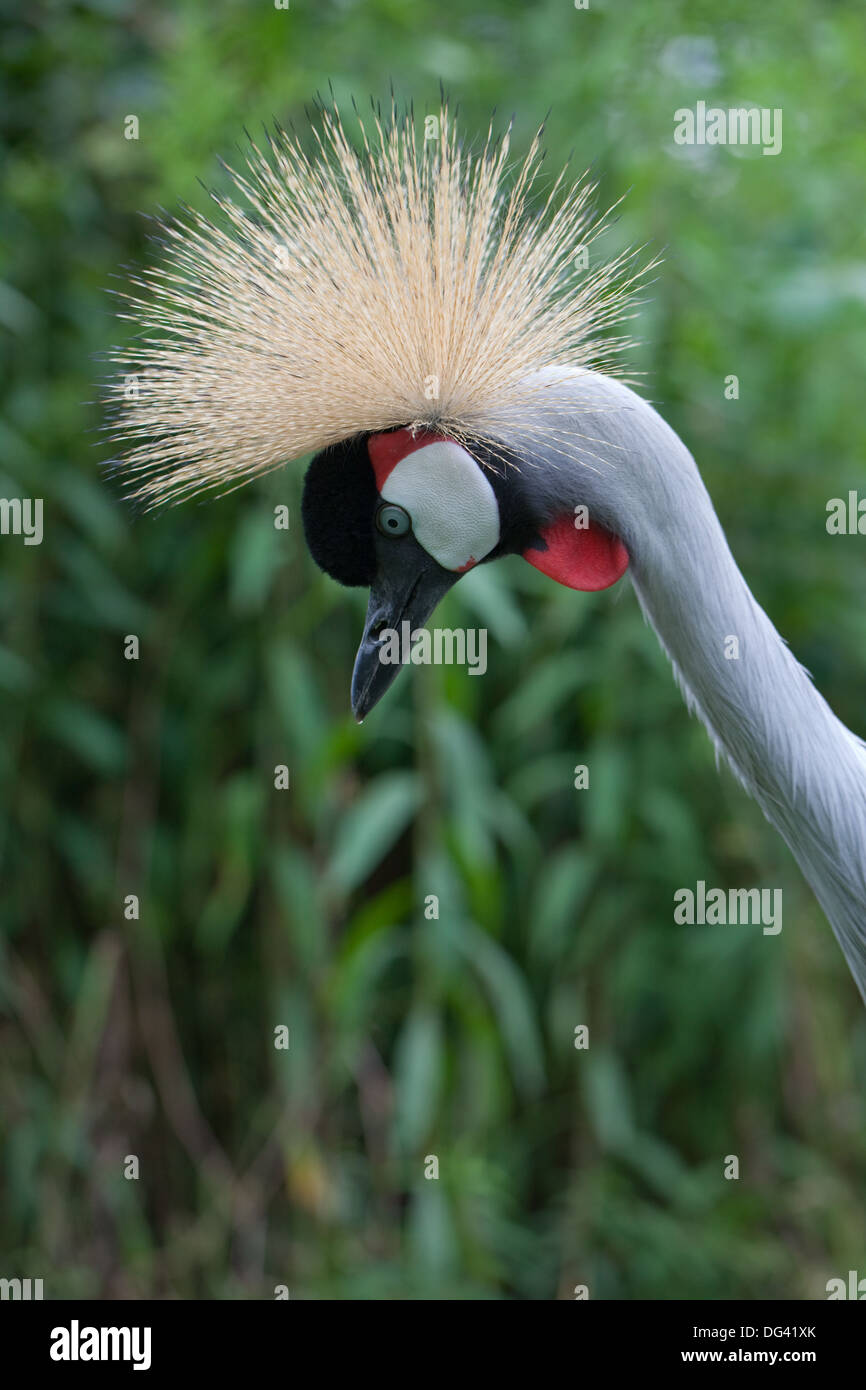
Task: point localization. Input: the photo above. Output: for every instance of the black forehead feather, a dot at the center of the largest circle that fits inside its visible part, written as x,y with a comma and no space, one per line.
337,507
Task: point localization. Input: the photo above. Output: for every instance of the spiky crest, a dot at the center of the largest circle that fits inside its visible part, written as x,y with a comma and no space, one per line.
397,281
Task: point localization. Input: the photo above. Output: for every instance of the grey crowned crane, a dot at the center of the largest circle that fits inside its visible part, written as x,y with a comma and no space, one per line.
393,307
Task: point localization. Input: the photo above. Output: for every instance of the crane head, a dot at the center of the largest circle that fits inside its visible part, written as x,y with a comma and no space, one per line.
406,513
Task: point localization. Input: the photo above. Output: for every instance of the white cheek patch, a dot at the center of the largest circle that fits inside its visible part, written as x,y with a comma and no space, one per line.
453,508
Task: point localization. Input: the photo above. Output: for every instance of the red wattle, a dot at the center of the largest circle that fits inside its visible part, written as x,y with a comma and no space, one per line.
585,558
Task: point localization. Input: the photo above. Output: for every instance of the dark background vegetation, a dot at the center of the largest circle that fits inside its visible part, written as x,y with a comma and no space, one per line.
412,1037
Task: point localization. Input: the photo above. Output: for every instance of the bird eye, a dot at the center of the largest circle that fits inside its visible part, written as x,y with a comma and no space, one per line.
393,521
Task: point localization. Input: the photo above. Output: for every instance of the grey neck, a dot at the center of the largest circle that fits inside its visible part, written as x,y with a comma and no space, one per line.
609,449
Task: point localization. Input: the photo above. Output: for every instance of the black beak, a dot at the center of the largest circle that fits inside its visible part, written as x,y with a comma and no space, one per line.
402,597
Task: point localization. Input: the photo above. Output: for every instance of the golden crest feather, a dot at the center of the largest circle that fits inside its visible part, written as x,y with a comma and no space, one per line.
400,281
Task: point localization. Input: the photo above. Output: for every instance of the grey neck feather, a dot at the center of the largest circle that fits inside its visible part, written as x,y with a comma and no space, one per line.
598,443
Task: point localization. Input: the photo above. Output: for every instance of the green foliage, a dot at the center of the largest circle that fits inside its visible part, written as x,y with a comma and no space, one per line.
411,1035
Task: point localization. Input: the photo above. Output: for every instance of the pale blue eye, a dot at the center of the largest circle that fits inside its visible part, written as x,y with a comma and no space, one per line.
393,521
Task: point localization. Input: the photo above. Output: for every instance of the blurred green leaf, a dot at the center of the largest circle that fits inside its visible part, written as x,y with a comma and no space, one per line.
379,816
